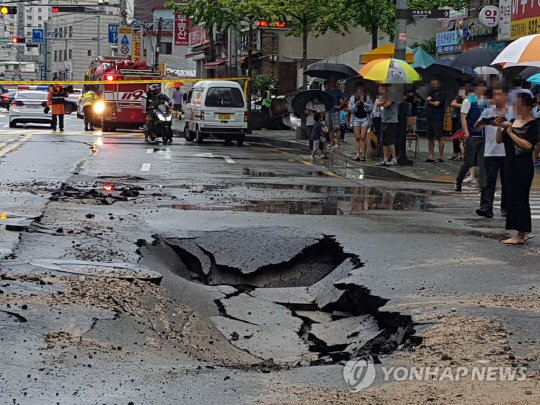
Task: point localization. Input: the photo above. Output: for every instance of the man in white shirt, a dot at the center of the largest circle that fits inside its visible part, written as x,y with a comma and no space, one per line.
494,155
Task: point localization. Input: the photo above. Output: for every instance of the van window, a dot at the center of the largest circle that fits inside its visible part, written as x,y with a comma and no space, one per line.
224,97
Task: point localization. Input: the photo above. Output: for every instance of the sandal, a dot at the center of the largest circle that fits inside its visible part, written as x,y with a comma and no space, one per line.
439,160
429,161
513,241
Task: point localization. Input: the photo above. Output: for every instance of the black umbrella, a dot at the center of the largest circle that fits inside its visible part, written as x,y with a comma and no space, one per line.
300,101
474,58
528,72
326,71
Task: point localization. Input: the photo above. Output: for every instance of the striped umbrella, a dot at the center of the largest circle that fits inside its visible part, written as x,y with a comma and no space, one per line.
524,51
391,71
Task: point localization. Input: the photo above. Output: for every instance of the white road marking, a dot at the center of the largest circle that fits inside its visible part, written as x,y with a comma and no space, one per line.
208,155
10,147
149,150
228,159
146,167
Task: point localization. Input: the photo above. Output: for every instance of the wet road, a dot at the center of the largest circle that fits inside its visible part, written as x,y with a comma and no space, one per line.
421,246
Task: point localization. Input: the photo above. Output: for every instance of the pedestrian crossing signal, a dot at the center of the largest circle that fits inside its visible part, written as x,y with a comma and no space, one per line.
8,10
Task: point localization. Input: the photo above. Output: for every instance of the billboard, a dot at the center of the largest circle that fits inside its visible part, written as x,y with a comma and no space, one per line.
181,30
525,18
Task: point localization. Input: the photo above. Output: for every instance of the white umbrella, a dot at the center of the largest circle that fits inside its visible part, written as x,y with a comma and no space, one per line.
524,51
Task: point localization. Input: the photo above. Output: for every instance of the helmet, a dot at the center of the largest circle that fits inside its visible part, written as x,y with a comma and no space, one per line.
154,87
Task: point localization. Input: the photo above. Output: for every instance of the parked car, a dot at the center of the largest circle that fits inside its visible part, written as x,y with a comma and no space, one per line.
5,99
218,109
28,106
72,101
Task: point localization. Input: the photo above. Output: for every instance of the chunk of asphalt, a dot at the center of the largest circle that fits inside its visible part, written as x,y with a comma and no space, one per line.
99,269
336,335
325,292
190,252
260,312
289,296
281,344
267,246
314,316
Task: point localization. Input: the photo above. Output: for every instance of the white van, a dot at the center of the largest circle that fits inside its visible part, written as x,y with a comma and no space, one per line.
215,108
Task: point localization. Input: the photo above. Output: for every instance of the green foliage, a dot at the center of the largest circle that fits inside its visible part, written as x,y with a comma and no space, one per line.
262,82
429,46
379,15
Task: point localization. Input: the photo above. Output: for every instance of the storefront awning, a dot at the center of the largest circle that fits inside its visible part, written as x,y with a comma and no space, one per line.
214,65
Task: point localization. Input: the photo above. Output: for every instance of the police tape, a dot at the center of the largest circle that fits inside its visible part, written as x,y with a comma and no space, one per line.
129,81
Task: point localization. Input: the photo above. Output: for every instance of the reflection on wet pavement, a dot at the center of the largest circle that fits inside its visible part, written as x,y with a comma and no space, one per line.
334,201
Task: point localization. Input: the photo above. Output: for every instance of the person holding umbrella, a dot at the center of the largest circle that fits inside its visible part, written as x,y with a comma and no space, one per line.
177,102
333,116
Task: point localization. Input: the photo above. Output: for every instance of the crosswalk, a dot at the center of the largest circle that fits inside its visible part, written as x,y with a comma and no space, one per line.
534,200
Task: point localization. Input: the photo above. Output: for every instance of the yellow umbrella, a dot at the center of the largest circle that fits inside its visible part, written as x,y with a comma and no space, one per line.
392,71
173,85
384,52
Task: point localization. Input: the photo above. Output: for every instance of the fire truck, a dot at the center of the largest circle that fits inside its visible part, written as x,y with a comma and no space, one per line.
120,105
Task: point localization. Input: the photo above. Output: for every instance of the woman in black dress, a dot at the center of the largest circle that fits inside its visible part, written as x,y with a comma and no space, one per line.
519,138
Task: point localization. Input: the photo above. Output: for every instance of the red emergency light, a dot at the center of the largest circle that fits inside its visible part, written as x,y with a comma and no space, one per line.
109,78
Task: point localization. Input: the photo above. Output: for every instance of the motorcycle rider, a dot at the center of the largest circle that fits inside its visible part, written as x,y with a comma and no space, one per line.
154,97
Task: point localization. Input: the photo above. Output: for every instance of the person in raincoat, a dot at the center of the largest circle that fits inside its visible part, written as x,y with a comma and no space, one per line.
88,100
56,101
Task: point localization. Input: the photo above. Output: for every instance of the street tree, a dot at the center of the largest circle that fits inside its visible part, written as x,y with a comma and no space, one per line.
379,16
308,17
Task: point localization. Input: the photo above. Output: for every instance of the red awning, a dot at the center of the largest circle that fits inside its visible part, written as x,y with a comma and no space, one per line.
214,65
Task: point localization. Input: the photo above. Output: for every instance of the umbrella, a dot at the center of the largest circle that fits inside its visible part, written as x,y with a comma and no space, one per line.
392,71
325,70
460,133
524,51
385,52
422,59
300,101
529,71
173,85
474,58
535,79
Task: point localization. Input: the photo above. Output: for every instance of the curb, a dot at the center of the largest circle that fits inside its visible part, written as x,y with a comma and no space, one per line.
343,160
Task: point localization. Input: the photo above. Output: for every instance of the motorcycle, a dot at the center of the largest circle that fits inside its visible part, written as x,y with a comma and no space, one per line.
162,124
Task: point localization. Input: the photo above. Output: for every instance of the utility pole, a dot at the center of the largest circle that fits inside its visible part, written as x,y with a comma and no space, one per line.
98,36
158,42
401,29
232,53
400,53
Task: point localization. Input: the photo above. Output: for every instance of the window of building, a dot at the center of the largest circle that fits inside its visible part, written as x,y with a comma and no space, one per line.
28,25
39,9
60,56
65,55
29,18
40,18
70,54
70,31
56,32
89,52
55,56
166,48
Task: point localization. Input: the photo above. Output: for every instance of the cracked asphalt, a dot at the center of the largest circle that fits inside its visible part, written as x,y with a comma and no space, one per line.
213,274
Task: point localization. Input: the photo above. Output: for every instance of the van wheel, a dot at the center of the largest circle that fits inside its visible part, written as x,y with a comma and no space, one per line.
188,135
240,140
198,136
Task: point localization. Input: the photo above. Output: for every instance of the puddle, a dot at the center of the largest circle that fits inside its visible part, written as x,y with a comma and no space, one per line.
336,201
262,173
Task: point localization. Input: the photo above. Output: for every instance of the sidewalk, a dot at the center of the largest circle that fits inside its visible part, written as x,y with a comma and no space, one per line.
444,172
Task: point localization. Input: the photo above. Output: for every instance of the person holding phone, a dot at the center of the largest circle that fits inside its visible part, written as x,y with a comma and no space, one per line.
361,109
519,137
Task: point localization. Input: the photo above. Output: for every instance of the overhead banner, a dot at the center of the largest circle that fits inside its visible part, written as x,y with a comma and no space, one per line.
525,19
181,30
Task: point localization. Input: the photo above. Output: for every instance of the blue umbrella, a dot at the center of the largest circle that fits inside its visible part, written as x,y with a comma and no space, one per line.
422,59
535,79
